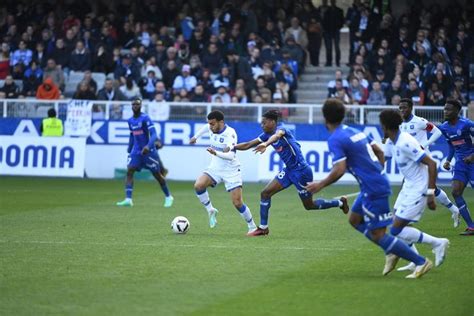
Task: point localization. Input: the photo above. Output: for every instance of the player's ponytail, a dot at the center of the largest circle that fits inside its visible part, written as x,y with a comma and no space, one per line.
274,115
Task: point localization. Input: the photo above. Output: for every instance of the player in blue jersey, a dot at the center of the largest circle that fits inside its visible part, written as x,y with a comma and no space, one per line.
142,153
458,132
370,214
296,172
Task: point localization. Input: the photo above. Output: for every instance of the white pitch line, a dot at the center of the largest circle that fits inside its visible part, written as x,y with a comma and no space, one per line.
66,242
347,195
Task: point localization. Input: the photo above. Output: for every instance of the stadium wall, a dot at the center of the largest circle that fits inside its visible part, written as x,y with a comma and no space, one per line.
105,150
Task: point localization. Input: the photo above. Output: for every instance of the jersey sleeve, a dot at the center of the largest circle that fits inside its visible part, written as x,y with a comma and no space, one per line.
231,139
336,150
412,150
263,137
388,149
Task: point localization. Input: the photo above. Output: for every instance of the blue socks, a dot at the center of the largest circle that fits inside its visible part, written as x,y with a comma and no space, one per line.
464,210
322,204
128,190
164,187
394,245
264,208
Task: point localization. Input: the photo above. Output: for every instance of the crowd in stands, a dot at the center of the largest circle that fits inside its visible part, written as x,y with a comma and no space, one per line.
200,51
424,54
240,51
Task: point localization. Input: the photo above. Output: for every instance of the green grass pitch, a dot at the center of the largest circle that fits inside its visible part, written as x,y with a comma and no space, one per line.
66,249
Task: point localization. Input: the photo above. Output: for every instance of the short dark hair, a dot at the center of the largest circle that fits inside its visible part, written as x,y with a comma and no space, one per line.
137,100
334,111
454,103
273,115
52,112
391,119
216,115
408,101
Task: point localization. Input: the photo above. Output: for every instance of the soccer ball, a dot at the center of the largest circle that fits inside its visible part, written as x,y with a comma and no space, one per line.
180,225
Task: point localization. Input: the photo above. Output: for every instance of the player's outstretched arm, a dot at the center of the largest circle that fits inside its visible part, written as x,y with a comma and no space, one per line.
275,137
244,146
203,130
336,173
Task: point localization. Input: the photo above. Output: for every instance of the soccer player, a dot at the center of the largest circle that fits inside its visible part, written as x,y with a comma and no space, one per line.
296,171
142,153
224,167
419,128
458,132
370,215
419,187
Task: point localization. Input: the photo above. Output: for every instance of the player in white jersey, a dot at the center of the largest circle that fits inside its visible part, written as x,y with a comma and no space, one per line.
224,167
419,128
418,189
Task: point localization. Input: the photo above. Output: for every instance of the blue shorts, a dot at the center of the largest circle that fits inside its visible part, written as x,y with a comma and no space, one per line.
376,211
297,177
149,161
464,172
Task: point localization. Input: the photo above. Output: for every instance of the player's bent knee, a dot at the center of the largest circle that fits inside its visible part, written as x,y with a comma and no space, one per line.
265,195
394,231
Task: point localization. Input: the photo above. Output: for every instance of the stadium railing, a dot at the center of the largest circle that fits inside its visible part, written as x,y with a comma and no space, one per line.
251,112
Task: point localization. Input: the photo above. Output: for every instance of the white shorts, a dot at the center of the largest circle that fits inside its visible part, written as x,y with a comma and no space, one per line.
410,207
232,178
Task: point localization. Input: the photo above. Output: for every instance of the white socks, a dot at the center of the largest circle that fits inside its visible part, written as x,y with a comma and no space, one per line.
413,235
247,216
443,199
204,199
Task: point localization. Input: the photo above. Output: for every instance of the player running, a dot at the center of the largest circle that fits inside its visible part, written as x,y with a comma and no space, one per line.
419,128
370,215
419,187
296,171
224,167
458,132
142,153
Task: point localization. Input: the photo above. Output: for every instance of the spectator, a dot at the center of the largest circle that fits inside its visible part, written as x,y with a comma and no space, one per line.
414,93
314,41
33,78
159,109
295,52
435,96
90,81
338,86
22,55
333,20
130,90
395,89
185,80
102,60
380,77
298,33
80,59
223,78
60,55
357,92
83,92
9,90
147,85
54,72
125,69
48,90
161,89
39,55
239,68
332,83
170,73
221,95
376,96
199,94
212,59
109,93
395,100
